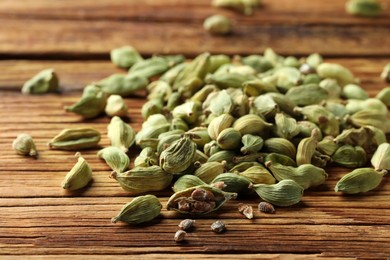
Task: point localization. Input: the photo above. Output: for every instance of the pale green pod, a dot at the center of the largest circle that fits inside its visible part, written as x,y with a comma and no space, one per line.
291,61
120,134
306,175
172,60
202,93
257,87
234,182
306,128
150,133
125,56
354,91
332,87
197,68
210,170
170,75
24,145
116,158
79,176
217,24
384,94
314,60
116,106
319,115
146,158
223,155
222,104
385,75
229,138
258,174
211,148
253,157
336,71
141,209
285,104
381,158
122,84
307,147
312,79
379,135
178,124
245,7
228,80
336,108
280,145
159,89
149,67
370,117
240,102
200,136
217,61
252,124
307,94
286,127
189,87
360,180
216,197
350,156
151,107
188,111
200,157
277,158
327,146
143,179
369,8
320,160
91,104
363,136
273,57
284,193
265,106
218,124
74,139
258,62
155,120
187,181
44,82
240,167
178,156
251,144
165,141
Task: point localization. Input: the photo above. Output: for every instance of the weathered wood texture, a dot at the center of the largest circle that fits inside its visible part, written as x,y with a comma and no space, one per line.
39,220
86,27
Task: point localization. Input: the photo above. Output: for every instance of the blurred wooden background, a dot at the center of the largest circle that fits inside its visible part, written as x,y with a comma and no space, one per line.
38,219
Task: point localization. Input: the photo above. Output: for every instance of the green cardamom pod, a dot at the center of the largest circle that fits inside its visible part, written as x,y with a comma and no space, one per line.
240,167
178,123
141,209
116,158
287,78
327,145
178,156
149,67
258,62
74,139
360,180
332,87
350,156
143,179
286,126
258,174
125,57
217,24
166,140
159,89
229,138
151,107
257,87
335,71
264,106
223,155
217,61
222,104
284,104
244,7
363,136
381,158
306,128
280,145
170,75
211,148
234,182
116,106
91,104
372,118
367,8
200,136
120,134
384,94
307,94
277,158
79,176
210,170
307,147
218,124
146,158
43,82
24,145
187,181
252,124
353,91
202,93
228,80
284,193
251,144
199,200
198,68
373,104
188,111
122,84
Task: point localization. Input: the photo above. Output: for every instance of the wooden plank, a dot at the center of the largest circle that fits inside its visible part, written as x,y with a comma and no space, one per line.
71,38
272,12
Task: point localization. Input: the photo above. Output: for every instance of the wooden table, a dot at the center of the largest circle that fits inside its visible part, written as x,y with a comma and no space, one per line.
39,220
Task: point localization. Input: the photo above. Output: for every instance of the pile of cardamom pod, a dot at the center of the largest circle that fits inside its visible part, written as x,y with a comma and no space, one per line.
218,127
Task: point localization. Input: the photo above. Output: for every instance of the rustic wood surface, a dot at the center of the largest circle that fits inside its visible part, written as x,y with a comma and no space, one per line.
39,220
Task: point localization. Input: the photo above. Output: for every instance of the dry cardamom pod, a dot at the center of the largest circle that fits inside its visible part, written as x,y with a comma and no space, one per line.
24,145
286,126
178,156
91,104
375,105
116,106
327,145
116,158
125,57
353,91
198,68
218,124
79,176
209,170
200,136
148,68
335,71
143,179
350,156
199,200
258,174
187,181
120,134
279,158
284,193
307,147
243,6
264,106
381,158
122,84
252,124
141,209
305,95
384,94
360,180
372,118
74,139
146,158
251,144
281,146
240,167
43,82
188,111
257,87
229,139
332,87
151,107
217,24
233,182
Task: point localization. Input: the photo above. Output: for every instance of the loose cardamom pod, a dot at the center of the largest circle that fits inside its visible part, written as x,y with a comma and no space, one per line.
143,179
120,134
381,158
151,107
350,156
210,170
372,118
217,24
233,182
188,111
251,144
286,127
332,87
283,193
149,67
199,200
243,6
258,62
187,181
116,158
252,124
309,94
74,139
307,147
141,209
265,106
91,104
218,124
125,57
122,84
281,146
146,158
178,156
368,8
198,68
360,180
335,71
79,176
229,138
43,82
24,145
116,106
327,145
258,174
240,167
257,87
353,91
200,136
384,94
